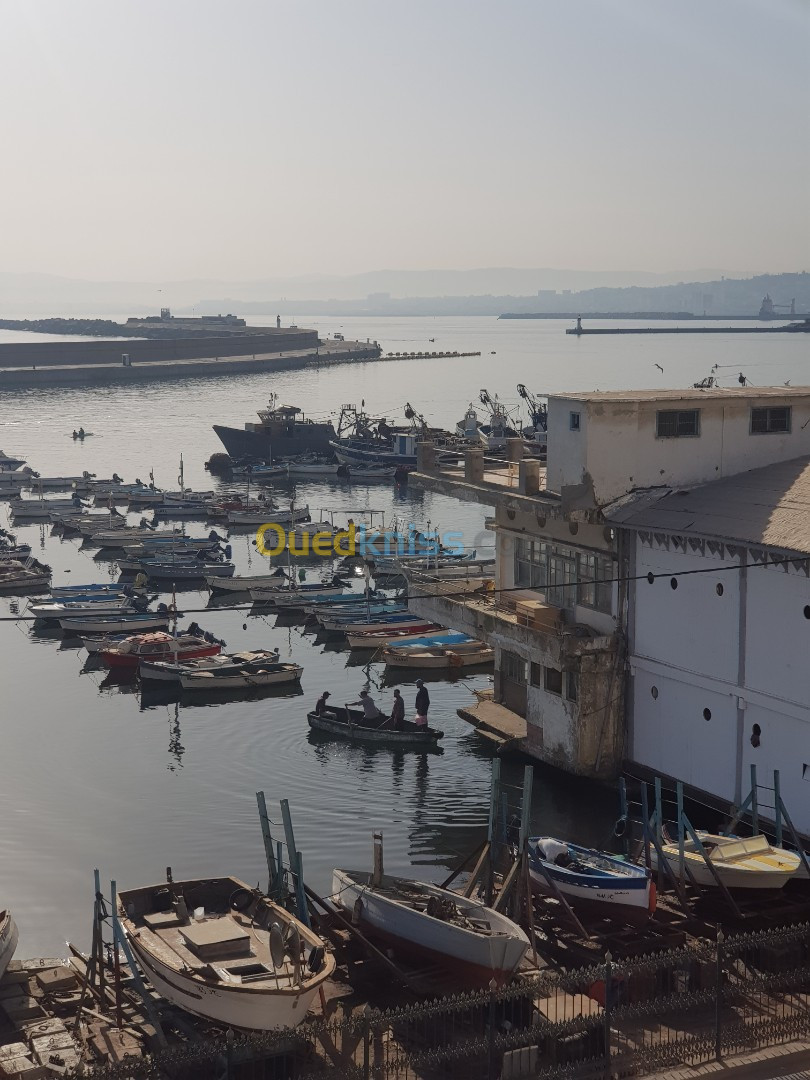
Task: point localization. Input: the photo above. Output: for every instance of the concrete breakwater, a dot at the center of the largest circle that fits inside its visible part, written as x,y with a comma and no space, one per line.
99,371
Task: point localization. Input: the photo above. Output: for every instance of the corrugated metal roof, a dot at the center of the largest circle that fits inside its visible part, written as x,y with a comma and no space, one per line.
751,393
768,506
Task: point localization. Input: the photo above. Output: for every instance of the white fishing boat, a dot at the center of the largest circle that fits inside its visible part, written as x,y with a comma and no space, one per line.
241,677
194,570
593,881
470,941
41,509
315,470
247,583
294,596
393,623
65,610
20,577
131,623
739,862
374,639
8,940
169,671
223,951
450,657
268,517
14,552
369,472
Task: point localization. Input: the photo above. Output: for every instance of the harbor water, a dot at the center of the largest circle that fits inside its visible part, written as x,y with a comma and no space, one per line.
92,773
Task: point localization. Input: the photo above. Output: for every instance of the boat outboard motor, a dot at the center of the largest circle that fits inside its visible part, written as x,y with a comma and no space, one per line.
116,478
228,551
194,629
162,609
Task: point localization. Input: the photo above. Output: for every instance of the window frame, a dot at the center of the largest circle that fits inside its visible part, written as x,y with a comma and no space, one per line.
574,421
767,410
677,414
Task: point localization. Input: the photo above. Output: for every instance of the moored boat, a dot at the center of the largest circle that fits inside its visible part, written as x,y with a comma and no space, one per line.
591,880
169,671
241,677
464,655
224,951
739,862
268,517
131,623
470,941
283,430
129,653
8,940
247,583
377,639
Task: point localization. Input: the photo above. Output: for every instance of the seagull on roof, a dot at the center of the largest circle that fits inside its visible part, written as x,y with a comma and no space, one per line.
660,368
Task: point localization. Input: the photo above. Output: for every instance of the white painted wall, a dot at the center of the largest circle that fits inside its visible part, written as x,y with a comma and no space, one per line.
686,643
617,446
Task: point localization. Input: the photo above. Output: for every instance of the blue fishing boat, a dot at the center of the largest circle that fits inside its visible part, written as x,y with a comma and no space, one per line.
600,884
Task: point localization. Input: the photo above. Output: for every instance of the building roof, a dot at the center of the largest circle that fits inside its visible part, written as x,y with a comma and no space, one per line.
768,507
714,392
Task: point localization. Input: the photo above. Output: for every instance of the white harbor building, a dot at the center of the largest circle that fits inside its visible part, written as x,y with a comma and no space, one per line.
692,673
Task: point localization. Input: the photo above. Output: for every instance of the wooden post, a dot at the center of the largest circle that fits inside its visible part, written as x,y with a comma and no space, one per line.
681,859
272,872
754,801
777,807
693,836
659,826
120,936
119,1019
645,824
295,862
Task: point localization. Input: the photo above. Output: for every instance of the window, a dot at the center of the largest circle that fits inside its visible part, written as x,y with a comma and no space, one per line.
572,685
566,575
553,681
538,678
677,423
764,421
513,667
573,421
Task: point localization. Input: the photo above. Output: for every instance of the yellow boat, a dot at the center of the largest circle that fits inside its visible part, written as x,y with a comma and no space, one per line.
740,862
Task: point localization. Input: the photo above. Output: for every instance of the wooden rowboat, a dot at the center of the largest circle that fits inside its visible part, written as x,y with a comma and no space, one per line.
224,951
740,862
591,880
450,657
470,941
351,724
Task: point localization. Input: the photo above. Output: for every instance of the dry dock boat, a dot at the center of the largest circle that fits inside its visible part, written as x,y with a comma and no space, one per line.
8,940
590,880
352,724
224,951
470,941
740,863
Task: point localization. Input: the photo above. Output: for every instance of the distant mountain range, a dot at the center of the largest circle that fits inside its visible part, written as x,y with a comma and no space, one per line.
492,291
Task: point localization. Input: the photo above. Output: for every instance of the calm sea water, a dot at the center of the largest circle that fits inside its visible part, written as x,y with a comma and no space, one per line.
92,775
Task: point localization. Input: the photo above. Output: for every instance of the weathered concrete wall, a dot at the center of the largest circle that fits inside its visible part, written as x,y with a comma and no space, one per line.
60,353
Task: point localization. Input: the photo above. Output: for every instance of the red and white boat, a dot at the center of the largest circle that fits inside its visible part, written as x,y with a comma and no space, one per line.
157,646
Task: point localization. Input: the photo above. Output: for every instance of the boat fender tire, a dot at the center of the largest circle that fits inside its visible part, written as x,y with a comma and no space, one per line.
620,828
240,900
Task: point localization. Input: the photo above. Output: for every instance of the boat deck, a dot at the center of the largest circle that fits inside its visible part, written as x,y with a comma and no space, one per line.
229,948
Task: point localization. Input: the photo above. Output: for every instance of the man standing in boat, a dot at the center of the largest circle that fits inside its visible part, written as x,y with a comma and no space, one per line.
422,703
397,720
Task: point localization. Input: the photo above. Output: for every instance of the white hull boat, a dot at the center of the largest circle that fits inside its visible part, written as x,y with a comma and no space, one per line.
238,959
294,598
267,517
57,611
359,627
8,940
191,571
314,470
243,678
740,862
439,657
166,671
9,463
471,941
112,624
591,881
241,583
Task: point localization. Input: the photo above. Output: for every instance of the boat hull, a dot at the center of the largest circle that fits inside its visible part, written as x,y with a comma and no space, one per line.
116,661
240,443
235,1007
8,940
331,725
757,866
473,960
114,626
205,683
441,659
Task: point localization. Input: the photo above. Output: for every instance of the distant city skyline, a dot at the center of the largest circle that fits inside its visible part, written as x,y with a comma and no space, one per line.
261,140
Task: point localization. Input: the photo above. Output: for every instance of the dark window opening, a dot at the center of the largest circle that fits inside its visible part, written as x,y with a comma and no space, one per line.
707,714
765,421
553,680
677,423
673,583
573,421
756,731
719,589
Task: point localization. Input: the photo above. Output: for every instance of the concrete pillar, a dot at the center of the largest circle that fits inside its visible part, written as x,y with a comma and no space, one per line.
529,476
514,449
426,456
474,466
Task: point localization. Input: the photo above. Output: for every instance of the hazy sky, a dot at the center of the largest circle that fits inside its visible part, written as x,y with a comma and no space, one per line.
161,139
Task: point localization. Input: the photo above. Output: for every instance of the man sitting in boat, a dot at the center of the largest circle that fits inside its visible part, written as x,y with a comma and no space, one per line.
320,704
370,710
